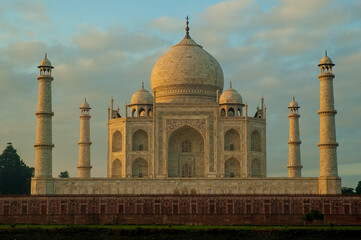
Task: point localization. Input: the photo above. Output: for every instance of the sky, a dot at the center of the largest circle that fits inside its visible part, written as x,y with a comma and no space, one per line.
104,49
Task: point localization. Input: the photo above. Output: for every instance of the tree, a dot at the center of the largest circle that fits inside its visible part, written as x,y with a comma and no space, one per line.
64,174
15,176
358,188
347,190
313,215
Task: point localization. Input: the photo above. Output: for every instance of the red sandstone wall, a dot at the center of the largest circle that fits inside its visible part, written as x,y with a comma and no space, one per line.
181,209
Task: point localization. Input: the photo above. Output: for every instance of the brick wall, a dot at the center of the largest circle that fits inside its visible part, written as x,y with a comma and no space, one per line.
178,209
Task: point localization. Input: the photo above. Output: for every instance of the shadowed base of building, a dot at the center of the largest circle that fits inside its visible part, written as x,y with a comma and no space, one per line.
179,209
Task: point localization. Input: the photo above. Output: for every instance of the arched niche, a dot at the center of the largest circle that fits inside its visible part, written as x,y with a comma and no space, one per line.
223,112
140,140
140,168
230,112
256,141
117,142
142,112
116,168
232,168
231,140
186,153
256,168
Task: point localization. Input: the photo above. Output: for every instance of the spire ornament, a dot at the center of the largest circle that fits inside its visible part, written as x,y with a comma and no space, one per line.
187,27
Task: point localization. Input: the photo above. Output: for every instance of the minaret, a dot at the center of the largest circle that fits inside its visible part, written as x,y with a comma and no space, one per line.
84,142
294,154
327,144
42,183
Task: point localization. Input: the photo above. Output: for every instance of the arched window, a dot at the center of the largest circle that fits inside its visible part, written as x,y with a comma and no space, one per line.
256,168
140,140
232,168
223,112
239,112
134,112
230,112
186,146
231,140
150,113
140,168
116,168
256,141
141,112
186,170
117,142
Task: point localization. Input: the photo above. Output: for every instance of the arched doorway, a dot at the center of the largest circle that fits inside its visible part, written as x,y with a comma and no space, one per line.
140,140
140,168
117,168
231,140
232,168
186,153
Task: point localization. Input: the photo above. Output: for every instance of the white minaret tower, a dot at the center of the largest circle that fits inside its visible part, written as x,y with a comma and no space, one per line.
294,154
329,181
42,181
84,142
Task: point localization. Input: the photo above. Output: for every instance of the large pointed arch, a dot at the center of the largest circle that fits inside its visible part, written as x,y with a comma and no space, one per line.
186,153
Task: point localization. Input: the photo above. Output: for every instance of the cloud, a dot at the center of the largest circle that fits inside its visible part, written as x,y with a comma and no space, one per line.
167,24
33,11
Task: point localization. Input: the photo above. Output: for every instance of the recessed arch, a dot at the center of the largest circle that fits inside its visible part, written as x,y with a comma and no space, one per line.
142,112
140,168
230,112
231,140
256,168
223,112
150,112
116,168
186,153
134,112
256,141
140,140
117,141
232,168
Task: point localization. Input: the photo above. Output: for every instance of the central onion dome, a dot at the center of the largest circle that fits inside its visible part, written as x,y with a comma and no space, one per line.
187,73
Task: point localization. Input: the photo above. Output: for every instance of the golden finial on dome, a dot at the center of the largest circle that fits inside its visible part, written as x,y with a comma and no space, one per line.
187,27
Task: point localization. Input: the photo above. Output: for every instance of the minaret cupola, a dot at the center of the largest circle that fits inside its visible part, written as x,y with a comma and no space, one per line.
45,67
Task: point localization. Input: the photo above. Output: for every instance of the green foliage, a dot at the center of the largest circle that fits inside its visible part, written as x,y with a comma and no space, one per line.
313,215
64,174
15,176
358,188
347,190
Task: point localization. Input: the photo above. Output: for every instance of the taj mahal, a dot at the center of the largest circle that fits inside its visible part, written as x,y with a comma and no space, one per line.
189,135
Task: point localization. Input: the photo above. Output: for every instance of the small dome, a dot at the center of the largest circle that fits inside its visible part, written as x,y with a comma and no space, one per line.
45,63
142,96
293,104
84,105
326,60
230,96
